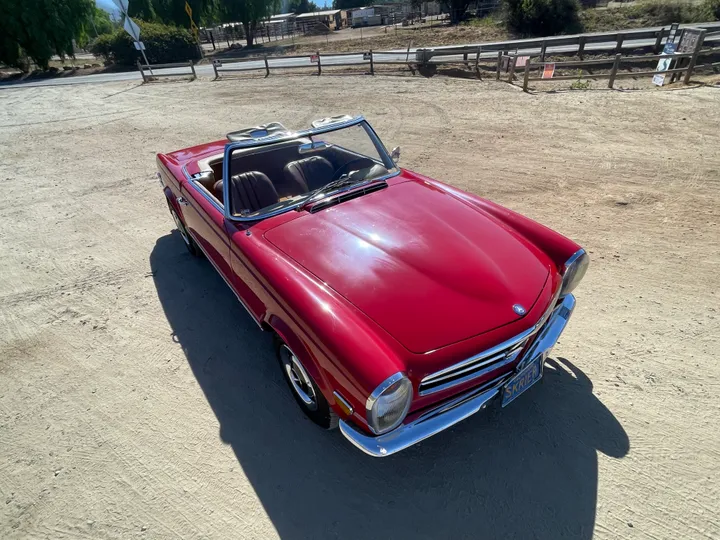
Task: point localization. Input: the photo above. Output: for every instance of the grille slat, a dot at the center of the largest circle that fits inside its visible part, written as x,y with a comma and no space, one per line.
476,366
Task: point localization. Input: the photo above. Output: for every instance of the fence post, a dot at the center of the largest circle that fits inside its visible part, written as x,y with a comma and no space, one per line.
620,39
192,67
215,69
407,57
139,65
526,75
499,62
372,65
693,58
581,47
513,61
465,58
477,61
542,51
267,66
319,67
658,41
615,67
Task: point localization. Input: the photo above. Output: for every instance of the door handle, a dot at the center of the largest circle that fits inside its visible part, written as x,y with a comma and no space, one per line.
182,201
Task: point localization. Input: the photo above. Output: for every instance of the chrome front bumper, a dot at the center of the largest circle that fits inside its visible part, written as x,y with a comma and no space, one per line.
459,408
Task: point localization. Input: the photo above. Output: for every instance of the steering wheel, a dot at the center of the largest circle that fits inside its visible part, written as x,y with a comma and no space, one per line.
346,169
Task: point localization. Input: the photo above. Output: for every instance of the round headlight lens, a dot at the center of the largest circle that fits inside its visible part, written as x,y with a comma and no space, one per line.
388,405
575,269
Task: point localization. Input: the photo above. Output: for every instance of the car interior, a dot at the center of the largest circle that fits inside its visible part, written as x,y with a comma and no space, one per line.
264,176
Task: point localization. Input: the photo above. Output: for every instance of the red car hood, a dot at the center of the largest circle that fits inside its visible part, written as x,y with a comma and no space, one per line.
426,267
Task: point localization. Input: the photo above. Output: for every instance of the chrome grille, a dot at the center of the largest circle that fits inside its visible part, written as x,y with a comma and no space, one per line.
476,366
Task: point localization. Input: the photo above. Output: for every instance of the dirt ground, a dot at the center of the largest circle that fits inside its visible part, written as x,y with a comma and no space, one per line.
138,400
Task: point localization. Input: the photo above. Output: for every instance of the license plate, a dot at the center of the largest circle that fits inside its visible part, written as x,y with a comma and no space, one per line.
522,381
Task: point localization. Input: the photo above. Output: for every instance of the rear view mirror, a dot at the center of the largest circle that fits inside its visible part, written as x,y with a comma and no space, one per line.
315,146
395,155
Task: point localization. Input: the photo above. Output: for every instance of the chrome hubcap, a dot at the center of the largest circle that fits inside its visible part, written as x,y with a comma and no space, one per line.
180,227
299,379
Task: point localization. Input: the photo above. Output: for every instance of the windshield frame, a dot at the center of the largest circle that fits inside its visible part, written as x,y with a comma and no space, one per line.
288,136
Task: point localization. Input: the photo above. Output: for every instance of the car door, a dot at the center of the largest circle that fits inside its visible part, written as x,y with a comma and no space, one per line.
205,220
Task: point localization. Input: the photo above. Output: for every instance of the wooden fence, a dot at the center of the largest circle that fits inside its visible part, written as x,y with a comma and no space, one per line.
617,62
149,67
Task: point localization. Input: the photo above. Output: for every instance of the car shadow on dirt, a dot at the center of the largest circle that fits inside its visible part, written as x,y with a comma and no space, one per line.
527,471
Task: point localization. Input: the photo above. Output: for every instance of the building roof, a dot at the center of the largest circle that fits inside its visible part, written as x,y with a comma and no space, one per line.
282,16
318,14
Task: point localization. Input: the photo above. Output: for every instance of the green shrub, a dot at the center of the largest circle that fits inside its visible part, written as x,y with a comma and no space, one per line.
711,10
542,17
665,12
163,44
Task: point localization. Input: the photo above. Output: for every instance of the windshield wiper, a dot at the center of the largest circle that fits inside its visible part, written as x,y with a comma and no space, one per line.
335,184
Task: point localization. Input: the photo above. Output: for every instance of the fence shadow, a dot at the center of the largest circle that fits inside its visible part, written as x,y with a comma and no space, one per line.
528,471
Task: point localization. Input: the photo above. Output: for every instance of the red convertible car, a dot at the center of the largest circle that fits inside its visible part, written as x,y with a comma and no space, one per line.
400,305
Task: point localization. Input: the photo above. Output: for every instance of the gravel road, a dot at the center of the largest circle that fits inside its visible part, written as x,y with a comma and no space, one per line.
138,400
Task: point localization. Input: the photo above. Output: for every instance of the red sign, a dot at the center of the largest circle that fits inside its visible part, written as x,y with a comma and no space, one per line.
314,58
549,71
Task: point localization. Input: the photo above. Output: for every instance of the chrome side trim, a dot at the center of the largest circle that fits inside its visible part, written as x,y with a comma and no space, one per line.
465,405
212,200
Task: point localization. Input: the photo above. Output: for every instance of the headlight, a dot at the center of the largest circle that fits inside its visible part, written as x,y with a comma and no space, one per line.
575,269
389,403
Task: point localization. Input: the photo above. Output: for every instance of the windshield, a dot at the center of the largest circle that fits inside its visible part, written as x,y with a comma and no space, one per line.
278,176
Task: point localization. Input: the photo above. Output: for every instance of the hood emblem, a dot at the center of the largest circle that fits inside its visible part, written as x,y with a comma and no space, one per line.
517,308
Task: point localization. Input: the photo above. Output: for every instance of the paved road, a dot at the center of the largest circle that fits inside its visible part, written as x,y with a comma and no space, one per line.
523,46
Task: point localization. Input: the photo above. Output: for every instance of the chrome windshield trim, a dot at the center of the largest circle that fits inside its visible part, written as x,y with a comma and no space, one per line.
451,412
264,141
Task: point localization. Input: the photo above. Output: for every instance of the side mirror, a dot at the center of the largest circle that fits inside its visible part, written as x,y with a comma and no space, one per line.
395,155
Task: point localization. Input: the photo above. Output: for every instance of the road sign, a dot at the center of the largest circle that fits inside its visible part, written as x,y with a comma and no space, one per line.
314,58
664,64
132,28
548,71
217,63
366,56
139,45
122,5
188,10
521,61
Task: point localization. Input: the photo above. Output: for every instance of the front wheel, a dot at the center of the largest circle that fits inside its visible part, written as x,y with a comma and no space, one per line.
190,244
303,388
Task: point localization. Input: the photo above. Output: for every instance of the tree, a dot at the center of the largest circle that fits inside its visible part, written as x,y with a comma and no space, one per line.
303,6
349,4
456,8
142,9
249,13
41,28
173,11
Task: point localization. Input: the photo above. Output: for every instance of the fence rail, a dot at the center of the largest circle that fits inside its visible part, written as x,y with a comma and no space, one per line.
617,62
579,44
149,67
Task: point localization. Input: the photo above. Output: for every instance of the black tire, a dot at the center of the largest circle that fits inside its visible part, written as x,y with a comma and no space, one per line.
318,409
190,244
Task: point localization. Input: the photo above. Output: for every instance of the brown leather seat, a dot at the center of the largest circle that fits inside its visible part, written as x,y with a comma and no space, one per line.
251,191
217,190
308,174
